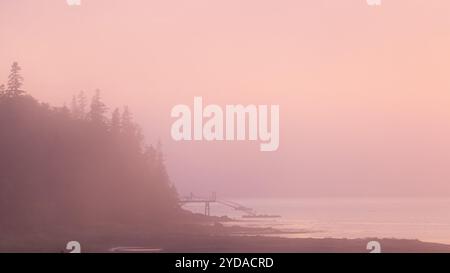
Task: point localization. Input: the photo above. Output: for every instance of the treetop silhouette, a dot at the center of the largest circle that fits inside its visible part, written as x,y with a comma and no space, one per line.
15,82
69,170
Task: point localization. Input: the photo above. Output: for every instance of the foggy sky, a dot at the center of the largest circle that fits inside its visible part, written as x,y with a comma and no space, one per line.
364,92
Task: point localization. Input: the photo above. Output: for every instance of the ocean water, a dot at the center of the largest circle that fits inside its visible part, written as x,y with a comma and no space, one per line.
402,218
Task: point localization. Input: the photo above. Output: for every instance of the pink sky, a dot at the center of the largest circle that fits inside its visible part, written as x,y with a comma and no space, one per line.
364,92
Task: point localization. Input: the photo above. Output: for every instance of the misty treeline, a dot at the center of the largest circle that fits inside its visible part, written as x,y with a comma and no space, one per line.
75,167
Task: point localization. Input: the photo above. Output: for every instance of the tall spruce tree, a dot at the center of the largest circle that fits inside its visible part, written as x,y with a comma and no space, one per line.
128,127
15,82
74,110
115,122
82,103
98,109
2,90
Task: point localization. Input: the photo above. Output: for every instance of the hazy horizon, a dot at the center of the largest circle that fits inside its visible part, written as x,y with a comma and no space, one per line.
364,92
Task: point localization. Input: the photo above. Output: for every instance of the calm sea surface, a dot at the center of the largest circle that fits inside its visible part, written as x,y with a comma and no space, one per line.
402,218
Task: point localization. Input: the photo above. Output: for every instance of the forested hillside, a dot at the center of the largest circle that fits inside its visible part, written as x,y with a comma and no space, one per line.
76,167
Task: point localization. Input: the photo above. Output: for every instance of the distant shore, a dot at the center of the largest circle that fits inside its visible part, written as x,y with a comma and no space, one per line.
204,235
196,243
261,244
222,239
236,239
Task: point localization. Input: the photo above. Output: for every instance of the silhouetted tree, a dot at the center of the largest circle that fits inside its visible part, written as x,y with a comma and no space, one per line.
127,121
128,126
131,132
64,110
15,82
2,90
98,109
150,154
159,154
61,176
78,105
81,103
75,111
115,122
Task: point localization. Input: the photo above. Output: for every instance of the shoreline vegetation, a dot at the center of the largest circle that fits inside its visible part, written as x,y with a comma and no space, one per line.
76,174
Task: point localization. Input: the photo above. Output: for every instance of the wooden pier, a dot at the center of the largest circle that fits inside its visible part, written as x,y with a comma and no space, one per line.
213,199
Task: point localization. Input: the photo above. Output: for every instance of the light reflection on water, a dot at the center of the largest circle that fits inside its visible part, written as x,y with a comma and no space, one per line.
402,218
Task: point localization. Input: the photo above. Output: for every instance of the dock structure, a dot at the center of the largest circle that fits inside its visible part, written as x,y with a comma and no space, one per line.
194,199
213,199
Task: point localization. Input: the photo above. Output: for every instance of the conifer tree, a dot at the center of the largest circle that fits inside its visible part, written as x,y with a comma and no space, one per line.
115,122
15,82
128,127
2,90
74,109
81,102
98,109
